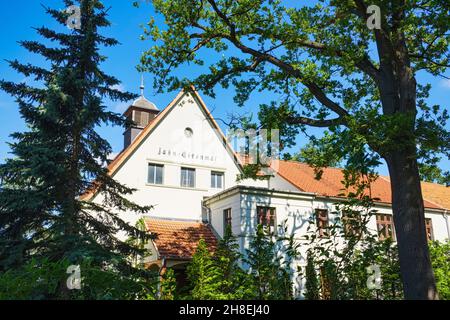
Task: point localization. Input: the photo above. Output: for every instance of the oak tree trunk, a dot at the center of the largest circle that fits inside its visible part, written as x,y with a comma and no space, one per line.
409,220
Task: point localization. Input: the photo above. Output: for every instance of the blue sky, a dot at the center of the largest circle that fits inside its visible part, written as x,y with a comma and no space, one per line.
18,17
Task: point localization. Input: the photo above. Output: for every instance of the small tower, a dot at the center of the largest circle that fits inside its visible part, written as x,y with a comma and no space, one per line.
141,113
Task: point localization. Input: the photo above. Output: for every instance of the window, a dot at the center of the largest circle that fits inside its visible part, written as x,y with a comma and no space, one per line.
141,118
217,180
429,229
385,227
226,219
155,173
188,177
322,222
351,221
188,132
266,217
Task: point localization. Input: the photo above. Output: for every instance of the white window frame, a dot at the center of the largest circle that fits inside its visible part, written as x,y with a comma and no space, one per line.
188,185
217,174
155,165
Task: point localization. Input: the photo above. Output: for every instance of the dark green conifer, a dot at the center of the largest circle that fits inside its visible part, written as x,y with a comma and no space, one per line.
312,282
58,158
234,281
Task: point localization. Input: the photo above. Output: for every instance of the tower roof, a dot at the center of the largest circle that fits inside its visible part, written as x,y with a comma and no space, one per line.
142,102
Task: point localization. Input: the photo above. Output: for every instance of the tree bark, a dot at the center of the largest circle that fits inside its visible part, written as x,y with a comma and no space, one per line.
409,219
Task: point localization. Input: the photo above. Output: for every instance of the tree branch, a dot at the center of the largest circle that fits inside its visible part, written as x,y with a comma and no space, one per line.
316,91
315,122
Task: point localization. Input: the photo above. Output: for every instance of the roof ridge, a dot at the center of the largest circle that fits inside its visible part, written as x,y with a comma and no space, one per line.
388,179
168,219
305,163
435,184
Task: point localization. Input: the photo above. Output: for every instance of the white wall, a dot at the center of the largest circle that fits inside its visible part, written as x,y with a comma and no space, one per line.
170,200
279,183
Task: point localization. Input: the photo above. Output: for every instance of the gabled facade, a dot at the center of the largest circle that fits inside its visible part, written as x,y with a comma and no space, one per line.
181,163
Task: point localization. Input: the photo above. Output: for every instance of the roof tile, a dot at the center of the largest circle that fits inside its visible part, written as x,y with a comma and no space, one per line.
302,176
179,239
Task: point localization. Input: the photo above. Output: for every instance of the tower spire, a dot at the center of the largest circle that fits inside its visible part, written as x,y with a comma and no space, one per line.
142,85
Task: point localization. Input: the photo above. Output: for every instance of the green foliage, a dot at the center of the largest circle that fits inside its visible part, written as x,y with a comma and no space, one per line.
337,81
432,173
311,280
317,65
440,258
350,247
43,214
331,285
234,282
203,275
268,272
320,152
168,285
41,280
383,254
270,275
36,280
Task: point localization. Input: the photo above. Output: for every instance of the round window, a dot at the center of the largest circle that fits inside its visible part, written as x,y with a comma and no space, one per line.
188,132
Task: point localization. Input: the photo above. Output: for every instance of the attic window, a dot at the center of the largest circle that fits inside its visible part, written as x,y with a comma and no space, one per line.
188,132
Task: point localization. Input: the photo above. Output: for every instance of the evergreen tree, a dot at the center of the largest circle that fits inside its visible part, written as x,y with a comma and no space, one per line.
234,281
264,259
204,275
331,288
57,160
312,283
168,285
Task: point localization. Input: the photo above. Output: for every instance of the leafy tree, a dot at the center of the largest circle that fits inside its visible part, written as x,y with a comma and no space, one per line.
440,257
432,173
326,64
42,211
203,275
35,280
350,246
320,153
386,256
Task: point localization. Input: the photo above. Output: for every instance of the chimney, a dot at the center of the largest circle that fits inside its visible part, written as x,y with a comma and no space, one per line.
140,113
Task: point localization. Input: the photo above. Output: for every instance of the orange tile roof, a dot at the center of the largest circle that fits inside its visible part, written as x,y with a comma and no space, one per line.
437,193
303,176
179,239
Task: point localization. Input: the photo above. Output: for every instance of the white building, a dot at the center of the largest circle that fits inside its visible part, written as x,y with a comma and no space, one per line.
180,162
